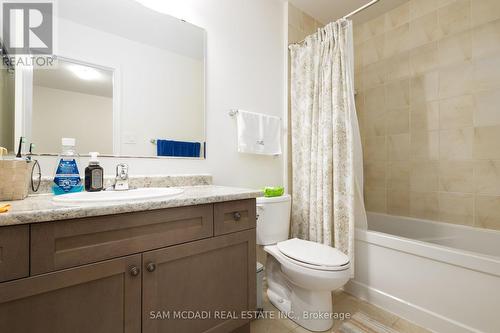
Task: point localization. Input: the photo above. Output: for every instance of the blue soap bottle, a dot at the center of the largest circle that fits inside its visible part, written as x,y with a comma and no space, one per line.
67,175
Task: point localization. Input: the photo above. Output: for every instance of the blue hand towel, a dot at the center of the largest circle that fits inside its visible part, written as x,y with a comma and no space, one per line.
177,148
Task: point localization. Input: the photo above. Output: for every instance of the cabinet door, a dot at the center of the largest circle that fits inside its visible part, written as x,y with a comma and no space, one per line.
100,298
14,252
213,277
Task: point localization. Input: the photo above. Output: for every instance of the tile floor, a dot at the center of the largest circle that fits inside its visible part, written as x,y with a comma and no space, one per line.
344,303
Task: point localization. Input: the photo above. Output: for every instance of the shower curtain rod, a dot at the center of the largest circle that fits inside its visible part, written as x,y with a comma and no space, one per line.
369,4
354,12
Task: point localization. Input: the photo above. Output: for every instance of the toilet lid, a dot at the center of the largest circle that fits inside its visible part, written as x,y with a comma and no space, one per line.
312,253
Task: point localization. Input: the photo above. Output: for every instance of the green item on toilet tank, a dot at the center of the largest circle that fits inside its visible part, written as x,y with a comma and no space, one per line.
273,191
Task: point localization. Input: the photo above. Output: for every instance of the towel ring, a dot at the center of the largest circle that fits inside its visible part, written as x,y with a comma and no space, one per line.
35,182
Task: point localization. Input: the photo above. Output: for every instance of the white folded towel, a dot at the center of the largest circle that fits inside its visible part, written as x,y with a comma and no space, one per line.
258,133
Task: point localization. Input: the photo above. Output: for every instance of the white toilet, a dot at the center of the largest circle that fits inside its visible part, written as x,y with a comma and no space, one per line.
301,275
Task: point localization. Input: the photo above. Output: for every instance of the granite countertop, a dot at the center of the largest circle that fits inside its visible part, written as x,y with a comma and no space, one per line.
41,208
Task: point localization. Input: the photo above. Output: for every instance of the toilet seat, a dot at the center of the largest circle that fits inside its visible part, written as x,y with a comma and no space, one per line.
313,255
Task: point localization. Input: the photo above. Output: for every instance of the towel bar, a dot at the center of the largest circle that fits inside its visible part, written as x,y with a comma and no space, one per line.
234,112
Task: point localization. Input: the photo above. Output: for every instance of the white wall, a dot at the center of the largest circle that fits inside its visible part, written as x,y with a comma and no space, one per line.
245,69
162,98
60,114
160,92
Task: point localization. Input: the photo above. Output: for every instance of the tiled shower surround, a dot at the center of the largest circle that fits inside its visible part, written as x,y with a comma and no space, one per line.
428,83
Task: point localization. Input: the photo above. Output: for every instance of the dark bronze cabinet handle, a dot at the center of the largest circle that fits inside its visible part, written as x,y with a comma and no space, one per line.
237,216
134,271
151,267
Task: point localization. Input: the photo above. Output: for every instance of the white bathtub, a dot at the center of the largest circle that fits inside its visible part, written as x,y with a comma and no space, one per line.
441,276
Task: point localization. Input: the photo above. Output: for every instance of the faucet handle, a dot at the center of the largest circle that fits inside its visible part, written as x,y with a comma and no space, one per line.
121,180
122,170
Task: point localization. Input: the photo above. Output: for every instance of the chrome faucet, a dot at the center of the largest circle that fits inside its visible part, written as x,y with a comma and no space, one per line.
121,179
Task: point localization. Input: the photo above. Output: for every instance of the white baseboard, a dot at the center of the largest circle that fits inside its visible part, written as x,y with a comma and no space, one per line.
413,313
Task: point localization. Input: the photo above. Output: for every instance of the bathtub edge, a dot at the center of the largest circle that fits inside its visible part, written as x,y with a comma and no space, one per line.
406,310
461,258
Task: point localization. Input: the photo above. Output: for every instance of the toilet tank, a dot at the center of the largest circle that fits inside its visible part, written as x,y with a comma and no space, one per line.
273,219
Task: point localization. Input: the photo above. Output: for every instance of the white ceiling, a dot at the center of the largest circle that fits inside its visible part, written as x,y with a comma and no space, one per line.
63,78
327,11
132,20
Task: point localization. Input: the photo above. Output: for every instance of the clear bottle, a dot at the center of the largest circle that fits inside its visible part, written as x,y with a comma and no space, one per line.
67,175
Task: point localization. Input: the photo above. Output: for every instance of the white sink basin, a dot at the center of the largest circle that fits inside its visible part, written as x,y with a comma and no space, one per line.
108,196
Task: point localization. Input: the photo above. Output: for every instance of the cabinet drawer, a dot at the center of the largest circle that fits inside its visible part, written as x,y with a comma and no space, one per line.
14,252
63,244
232,216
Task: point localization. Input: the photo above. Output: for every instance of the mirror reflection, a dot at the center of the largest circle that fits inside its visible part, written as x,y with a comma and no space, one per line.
141,86
78,95
7,102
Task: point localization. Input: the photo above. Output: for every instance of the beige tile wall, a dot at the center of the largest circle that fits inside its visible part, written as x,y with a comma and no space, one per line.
300,24
428,82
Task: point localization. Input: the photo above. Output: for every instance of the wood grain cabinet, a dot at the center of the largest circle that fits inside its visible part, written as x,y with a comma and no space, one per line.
100,298
14,252
63,244
232,216
208,280
141,272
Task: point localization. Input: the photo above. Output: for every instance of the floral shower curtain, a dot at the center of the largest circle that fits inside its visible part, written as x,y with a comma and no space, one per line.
327,165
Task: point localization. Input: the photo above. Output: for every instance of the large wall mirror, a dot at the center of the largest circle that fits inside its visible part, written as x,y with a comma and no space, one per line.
127,81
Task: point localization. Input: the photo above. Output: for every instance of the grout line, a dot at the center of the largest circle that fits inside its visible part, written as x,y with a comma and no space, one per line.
375,68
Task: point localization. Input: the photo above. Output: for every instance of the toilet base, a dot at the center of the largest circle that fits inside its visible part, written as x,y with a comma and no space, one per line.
302,294
282,304
309,309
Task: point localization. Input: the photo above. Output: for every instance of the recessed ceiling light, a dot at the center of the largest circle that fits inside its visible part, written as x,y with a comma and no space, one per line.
85,73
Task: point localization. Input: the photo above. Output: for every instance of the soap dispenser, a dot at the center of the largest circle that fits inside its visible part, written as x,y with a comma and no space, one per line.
67,176
94,174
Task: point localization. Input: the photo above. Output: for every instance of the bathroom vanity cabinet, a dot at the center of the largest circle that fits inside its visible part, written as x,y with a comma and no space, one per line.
149,271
